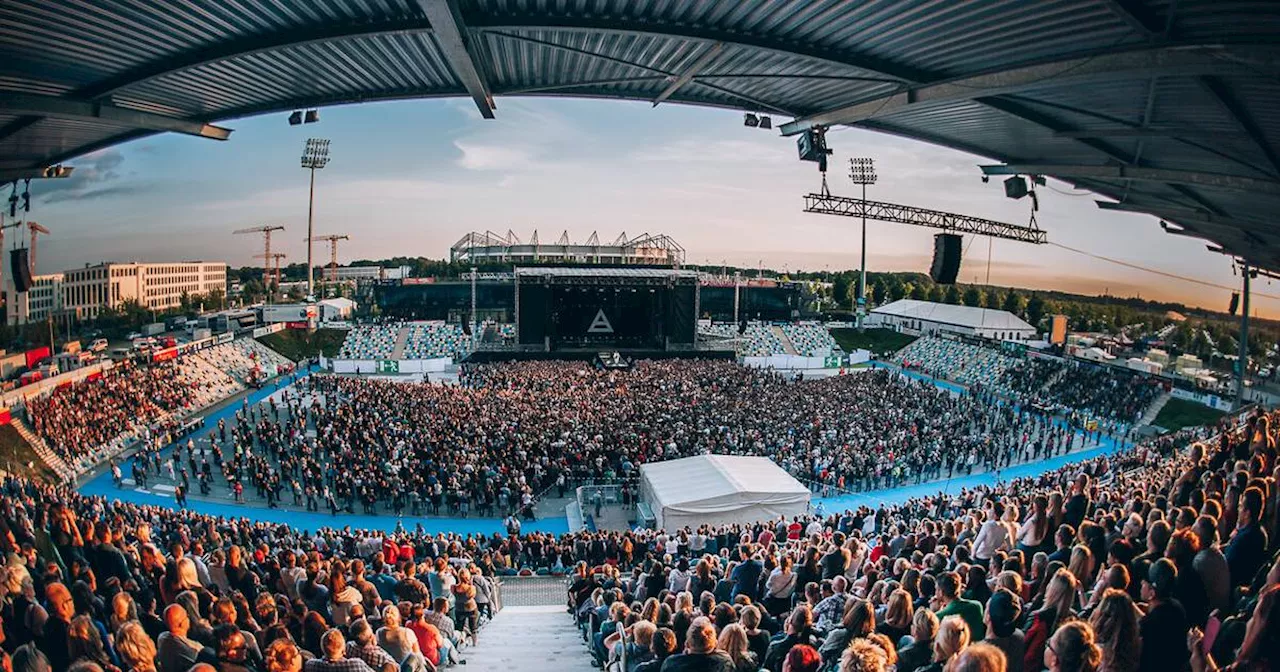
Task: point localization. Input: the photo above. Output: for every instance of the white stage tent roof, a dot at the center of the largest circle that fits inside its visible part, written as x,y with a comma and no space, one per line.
720,489
960,316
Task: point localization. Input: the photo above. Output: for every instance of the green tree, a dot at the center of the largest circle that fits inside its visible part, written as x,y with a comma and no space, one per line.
953,295
1035,310
918,292
879,292
937,294
842,290
1013,302
973,297
897,290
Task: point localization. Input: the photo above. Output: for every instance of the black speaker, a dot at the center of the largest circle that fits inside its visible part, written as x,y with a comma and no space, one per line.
1015,187
946,258
1235,302
21,269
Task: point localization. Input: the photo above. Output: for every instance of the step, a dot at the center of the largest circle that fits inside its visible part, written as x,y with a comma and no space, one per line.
530,639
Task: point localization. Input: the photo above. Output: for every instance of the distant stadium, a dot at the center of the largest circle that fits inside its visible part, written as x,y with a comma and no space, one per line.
642,250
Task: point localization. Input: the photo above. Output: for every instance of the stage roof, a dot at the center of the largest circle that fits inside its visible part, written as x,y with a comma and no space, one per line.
1166,107
572,272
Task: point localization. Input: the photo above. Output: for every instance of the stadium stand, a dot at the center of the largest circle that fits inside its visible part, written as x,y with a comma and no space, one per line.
964,363
811,340
366,341
428,340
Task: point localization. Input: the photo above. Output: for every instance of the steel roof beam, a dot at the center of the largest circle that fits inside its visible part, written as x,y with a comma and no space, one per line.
1179,215
51,172
1138,132
844,206
28,104
1235,109
1194,59
455,45
1112,172
687,76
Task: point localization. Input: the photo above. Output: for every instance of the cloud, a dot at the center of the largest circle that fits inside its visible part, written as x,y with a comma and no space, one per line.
478,156
93,173
698,150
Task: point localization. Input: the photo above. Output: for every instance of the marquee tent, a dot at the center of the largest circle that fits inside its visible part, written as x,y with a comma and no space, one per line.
720,489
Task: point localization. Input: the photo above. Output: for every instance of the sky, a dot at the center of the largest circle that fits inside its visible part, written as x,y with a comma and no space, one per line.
412,177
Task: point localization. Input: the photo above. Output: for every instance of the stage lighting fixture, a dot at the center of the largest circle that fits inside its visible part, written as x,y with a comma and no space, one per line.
986,179
295,118
1015,187
311,117
765,122
750,120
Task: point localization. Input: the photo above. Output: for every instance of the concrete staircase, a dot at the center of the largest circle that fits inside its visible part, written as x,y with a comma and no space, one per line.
57,464
1154,409
530,639
402,339
787,345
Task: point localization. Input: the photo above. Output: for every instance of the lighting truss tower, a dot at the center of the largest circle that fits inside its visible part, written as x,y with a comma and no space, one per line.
314,157
862,170
266,248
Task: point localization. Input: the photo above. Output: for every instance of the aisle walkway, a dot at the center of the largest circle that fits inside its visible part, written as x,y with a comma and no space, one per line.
530,639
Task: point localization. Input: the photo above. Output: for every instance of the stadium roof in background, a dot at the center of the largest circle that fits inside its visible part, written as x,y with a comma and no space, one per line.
1167,107
960,316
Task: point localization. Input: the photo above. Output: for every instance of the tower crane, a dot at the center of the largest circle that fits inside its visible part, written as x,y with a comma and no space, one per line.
266,249
333,239
269,260
35,228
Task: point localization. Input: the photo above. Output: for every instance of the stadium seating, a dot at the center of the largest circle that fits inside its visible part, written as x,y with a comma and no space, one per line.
241,357
964,363
375,341
428,340
810,340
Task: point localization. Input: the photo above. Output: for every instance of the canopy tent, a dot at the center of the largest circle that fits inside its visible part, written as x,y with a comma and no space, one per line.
720,489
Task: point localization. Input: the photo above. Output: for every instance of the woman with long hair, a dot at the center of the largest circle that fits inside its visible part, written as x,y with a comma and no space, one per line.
898,616
466,613
858,621
953,636
1072,649
733,641
1059,596
779,587
1115,625
1035,529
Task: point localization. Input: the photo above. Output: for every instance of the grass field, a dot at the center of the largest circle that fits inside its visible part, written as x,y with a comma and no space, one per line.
16,454
1179,413
878,341
298,344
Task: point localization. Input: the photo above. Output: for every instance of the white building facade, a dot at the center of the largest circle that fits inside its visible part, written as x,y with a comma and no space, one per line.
41,301
160,286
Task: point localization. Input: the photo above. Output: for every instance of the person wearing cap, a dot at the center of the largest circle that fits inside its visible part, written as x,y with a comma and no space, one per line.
1165,621
1001,618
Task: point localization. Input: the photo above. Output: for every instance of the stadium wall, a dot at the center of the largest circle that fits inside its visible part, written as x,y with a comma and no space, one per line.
391,366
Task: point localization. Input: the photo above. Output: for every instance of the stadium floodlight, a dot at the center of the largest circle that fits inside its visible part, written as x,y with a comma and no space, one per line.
750,120
862,171
295,118
314,157
312,116
765,122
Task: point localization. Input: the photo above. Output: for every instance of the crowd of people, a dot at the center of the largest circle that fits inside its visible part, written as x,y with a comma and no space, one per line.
1083,391
77,418
1151,560
508,433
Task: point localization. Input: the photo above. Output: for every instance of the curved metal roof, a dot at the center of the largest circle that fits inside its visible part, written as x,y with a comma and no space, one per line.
1170,107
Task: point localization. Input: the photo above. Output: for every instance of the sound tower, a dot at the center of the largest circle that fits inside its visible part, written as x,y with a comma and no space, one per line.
1235,303
946,258
21,269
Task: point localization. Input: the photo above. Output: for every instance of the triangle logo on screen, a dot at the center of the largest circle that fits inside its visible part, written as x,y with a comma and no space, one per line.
600,325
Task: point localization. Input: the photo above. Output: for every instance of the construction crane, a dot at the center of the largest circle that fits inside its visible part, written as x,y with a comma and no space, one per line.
333,239
35,228
269,260
266,249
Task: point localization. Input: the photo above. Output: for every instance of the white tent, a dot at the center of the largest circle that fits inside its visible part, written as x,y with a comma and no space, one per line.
720,489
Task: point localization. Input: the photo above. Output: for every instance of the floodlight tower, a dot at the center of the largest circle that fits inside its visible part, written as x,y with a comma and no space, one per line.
314,157
862,171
